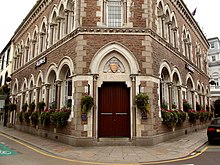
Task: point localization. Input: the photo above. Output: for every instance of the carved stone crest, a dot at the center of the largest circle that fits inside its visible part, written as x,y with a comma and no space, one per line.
114,66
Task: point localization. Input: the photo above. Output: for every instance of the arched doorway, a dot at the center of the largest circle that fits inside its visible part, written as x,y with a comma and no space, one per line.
114,110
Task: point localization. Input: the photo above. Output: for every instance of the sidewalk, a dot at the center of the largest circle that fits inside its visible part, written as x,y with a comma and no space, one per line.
175,148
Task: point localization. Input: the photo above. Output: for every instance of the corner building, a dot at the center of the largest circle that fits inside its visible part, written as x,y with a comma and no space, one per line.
111,50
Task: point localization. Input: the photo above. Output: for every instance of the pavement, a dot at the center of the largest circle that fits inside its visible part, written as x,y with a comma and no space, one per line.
175,148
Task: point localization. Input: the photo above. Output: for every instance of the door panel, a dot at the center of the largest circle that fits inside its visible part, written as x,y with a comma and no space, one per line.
114,110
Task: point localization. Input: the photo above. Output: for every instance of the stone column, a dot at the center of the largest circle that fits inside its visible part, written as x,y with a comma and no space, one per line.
51,34
29,99
47,95
94,134
193,99
170,94
179,97
58,93
133,87
37,96
66,22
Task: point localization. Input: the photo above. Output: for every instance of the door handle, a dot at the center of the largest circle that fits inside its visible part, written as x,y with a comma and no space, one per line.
121,113
106,113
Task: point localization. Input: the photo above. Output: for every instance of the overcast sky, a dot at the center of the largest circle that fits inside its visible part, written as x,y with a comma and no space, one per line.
12,12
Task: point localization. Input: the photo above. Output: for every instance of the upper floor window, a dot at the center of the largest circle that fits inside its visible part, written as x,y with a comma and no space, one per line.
213,58
212,45
3,61
8,54
114,13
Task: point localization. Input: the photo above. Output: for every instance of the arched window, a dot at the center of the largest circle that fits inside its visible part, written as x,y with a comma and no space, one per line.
27,51
164,89
167,27
174,40
60,23
68,89
70,16
34,44
53,29
175,94
189,94
161,18
43,36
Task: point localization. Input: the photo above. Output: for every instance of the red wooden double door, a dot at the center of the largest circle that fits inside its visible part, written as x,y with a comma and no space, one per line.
114,110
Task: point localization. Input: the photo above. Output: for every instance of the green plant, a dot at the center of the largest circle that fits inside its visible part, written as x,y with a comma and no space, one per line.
174,106
40,106
173,118
86,103
32,106
186,106
45,117
20,116
27,116
181,117
59,117
142,102
24,107
34,117
203,115
193,115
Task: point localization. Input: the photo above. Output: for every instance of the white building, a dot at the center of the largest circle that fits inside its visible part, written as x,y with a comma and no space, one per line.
214,67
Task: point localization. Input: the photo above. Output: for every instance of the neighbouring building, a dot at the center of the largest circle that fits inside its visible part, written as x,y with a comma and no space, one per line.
214,67
111,50
6,57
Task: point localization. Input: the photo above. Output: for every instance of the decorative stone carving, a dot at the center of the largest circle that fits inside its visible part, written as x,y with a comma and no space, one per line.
114,66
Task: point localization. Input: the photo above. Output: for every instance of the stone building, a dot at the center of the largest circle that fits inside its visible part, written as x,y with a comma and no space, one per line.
111,50
214,67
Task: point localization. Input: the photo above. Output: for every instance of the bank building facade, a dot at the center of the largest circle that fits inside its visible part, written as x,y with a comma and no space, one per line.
111,50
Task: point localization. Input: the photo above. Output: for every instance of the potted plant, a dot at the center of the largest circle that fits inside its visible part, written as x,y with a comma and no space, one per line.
27,116
186,106
45,117
21,116
142,102
32,106
193,115
24,107
59,117
86,104
170,118
34,117
174,106
40,106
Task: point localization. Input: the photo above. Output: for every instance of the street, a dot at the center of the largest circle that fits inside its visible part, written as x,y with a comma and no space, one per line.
14,152
205,155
